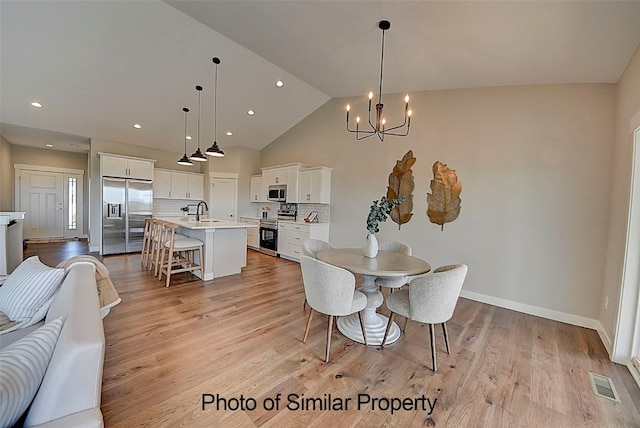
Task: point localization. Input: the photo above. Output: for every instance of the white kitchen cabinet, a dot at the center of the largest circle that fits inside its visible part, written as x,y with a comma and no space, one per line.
282,174
315,185
178,185
257,195
293,183
125,167
291,236
253,233
270,177
161,184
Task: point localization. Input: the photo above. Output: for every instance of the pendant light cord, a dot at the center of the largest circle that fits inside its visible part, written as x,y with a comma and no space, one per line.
186,110
215,106
199,92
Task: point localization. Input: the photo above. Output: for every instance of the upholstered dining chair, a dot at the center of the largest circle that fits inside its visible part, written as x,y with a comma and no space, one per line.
310,248
393,283
430,299
330,290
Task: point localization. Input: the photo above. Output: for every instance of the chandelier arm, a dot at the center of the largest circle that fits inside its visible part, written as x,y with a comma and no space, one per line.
386,131
395,134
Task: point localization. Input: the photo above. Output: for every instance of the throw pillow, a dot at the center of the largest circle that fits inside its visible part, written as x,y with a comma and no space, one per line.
29,287
22,368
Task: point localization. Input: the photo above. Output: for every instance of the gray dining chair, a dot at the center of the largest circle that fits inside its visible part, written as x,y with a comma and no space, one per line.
330,290
310,248
395,282
430,299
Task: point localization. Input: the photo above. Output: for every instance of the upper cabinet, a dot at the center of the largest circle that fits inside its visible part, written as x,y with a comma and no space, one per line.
256,190
282,174
162,184
125,167
178,185
315,185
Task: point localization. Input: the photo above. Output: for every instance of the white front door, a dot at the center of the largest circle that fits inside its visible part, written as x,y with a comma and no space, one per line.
42,199
223,196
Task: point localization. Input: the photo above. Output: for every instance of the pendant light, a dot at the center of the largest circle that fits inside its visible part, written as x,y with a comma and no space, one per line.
184,160
197,156
214,150
379,127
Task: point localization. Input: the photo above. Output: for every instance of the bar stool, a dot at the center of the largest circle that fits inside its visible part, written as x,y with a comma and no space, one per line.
179,253
146,241
154,252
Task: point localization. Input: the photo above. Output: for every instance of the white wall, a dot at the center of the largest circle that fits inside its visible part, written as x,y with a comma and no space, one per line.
535,163
6,176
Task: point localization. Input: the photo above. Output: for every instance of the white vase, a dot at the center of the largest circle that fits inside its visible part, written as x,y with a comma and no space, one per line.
371,247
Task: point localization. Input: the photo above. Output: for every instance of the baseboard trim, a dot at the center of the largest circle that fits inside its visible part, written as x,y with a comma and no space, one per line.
535,310
606,340
635,372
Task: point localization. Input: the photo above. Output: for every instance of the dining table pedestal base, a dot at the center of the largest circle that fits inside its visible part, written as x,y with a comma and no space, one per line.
375,323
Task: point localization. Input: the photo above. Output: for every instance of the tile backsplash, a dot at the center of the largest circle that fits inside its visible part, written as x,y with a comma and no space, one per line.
170,207
323,210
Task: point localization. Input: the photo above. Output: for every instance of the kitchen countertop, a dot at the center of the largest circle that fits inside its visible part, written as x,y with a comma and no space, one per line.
300,221
206,223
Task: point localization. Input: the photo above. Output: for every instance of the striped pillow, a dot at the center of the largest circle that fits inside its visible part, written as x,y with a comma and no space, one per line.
28,288
22,367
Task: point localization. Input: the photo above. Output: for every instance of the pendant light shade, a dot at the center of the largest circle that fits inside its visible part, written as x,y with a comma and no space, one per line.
197,156
184,160
214,150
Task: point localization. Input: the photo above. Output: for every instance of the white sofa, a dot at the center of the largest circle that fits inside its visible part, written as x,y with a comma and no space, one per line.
69,395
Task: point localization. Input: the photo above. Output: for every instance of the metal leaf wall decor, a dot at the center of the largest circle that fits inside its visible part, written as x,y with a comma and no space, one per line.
401,185
444,199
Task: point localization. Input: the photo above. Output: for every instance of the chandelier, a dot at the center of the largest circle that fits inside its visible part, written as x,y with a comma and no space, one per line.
378,125
214,150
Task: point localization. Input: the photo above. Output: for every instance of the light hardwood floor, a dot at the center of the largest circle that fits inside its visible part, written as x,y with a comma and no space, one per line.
240,337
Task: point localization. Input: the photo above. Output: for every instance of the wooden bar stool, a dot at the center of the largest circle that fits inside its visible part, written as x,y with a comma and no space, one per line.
146,242
155,239
179,253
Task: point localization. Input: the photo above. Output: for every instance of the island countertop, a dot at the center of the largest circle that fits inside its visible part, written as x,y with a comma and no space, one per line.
206,223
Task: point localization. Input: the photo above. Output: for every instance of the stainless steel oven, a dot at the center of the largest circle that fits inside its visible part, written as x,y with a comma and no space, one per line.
269,236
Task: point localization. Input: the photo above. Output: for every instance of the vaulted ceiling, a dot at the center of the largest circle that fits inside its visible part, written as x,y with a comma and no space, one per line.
98,67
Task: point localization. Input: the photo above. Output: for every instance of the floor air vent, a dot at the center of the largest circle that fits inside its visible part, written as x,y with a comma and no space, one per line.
603,386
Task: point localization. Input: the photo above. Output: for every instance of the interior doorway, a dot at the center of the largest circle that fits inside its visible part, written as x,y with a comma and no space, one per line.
52,199
626,344
223,196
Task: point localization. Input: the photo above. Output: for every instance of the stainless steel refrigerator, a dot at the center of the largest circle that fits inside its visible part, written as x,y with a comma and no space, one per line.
126,203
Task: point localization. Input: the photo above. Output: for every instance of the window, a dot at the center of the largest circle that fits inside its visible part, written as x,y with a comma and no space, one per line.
72,222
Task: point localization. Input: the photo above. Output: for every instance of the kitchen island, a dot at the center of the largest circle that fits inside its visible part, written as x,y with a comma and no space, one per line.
225,244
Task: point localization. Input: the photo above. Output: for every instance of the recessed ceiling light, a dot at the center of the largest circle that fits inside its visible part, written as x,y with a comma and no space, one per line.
188,137
137,125
279,83
48,145
36,104
229,133
251,112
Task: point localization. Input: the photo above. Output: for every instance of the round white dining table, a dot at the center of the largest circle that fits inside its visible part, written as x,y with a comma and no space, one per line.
387,263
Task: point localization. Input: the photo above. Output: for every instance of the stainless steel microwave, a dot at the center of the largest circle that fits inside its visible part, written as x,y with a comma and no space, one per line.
277,193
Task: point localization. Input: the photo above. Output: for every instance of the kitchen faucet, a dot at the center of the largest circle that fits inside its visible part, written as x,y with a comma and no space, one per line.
198,209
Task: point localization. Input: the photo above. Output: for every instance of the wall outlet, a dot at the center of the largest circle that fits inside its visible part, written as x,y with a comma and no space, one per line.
606,302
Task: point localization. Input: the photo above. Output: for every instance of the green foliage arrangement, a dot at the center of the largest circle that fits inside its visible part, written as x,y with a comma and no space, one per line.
380,210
